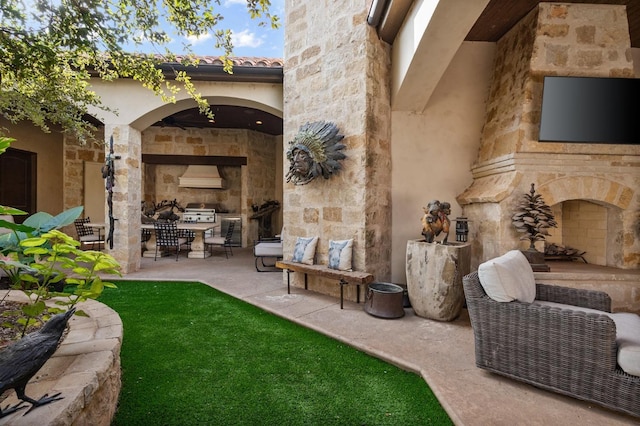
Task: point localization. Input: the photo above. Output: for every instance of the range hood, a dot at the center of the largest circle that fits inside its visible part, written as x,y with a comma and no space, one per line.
198,176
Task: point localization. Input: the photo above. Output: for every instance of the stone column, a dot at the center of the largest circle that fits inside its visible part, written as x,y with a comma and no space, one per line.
126,195
337,70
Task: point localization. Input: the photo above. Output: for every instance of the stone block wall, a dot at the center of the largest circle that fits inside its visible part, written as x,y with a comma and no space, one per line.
337,70
75,155
244,185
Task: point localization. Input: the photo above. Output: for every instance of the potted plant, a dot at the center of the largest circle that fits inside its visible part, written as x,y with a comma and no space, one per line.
533,218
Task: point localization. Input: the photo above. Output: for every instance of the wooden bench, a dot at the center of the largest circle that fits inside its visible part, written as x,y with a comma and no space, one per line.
345,277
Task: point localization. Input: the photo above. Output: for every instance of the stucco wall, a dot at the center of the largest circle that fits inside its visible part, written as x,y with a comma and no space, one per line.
432,152
49,150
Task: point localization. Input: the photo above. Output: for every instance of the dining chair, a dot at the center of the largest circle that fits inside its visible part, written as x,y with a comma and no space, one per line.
222,241
167,237
86,234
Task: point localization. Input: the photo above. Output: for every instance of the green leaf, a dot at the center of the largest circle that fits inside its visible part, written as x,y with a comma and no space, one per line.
80,270
33,242
96,285
35,309
36,250
28,278
4,144
37,220
67,217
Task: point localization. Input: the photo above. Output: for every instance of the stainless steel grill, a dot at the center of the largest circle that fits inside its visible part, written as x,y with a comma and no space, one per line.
199,212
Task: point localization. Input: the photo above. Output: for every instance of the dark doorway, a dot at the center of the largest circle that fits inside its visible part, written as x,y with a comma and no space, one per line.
18,181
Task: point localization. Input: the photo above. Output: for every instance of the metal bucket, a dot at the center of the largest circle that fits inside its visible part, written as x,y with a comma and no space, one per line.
384,300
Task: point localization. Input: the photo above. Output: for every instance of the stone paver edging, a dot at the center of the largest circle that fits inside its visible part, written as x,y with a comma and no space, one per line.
85,369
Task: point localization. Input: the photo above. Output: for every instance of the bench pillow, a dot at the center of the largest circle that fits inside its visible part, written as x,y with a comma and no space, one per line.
508,277
305,250
340,253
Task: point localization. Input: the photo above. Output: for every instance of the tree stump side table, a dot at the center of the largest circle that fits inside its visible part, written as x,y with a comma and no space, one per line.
434,278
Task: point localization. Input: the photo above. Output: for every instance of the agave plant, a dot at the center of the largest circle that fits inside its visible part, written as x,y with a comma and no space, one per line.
533,217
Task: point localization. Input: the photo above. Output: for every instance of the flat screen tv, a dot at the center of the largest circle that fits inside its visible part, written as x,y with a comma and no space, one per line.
590,110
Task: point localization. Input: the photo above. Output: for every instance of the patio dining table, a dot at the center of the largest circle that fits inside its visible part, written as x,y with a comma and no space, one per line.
197,245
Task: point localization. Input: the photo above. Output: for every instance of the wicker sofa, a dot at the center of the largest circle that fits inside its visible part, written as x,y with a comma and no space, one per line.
570,350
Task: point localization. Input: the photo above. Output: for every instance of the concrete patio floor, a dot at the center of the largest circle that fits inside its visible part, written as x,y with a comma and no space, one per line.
442,353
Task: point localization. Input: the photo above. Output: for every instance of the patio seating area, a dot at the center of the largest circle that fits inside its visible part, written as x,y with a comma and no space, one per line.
442,352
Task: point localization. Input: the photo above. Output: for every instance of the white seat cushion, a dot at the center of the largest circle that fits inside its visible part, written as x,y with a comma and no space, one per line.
627,335
215,240
508,277
628,340
268,249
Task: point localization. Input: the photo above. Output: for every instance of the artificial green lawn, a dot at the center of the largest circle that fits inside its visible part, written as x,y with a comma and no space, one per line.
192,355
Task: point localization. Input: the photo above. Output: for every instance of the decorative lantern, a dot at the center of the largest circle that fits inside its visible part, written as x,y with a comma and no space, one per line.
462,229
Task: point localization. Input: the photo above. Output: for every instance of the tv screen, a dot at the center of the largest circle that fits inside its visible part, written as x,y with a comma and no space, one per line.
590,110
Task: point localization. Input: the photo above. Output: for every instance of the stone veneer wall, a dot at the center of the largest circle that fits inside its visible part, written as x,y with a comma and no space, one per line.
75,155
554,39
254,183
337,70
246,185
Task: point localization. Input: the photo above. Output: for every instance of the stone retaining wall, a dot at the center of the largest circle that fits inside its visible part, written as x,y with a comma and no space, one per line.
85,370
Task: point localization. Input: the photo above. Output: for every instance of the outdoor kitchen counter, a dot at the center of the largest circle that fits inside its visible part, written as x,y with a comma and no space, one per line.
197,245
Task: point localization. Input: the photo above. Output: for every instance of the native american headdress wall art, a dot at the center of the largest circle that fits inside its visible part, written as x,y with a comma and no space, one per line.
314,151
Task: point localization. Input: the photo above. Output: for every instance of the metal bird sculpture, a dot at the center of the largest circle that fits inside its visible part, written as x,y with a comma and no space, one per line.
21,360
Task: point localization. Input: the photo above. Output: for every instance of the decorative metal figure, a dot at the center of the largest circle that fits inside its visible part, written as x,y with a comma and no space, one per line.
436,220
315,151
108,173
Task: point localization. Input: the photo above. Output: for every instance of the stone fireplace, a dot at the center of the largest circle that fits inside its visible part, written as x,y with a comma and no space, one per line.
593,189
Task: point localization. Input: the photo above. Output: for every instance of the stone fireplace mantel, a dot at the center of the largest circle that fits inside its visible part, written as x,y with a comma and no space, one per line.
594,185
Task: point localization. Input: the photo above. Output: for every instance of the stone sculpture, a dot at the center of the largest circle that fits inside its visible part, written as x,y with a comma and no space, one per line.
436,220
315,151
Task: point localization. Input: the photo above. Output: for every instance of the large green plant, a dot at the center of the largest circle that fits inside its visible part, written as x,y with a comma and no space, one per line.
54,267
40,260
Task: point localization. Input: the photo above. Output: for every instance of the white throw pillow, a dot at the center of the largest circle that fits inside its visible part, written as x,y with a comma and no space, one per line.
305,250
508,277
340,253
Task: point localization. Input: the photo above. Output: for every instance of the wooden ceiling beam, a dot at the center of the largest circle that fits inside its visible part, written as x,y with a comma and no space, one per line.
187,160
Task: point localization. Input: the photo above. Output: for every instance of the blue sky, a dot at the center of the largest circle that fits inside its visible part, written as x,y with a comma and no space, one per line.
249,39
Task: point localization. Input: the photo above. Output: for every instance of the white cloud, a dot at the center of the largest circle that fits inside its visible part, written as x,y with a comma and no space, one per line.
200,38
245,38
230,2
